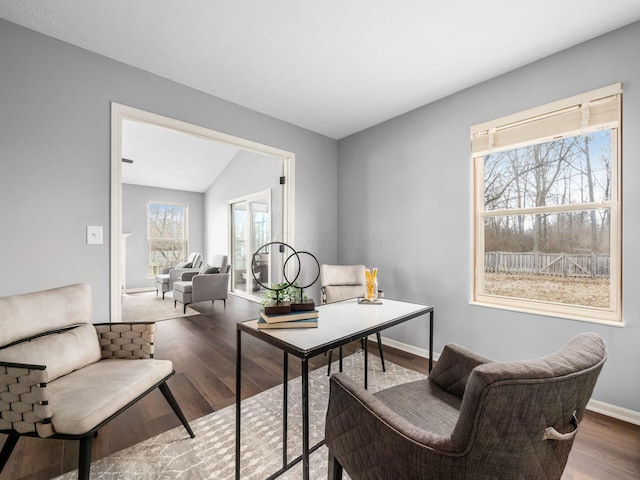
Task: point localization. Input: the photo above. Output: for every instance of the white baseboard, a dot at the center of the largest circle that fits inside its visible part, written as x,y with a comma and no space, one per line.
140,289
620,413
624,414
420,352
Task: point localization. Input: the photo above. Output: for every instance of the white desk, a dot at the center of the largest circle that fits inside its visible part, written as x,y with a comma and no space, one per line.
338,324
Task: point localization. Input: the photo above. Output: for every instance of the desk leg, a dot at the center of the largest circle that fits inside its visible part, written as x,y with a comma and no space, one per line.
238,400
366,363
305,419
430,341
285,400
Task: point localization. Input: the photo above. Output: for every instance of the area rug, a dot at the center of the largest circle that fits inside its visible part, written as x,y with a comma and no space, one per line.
147,307
211,454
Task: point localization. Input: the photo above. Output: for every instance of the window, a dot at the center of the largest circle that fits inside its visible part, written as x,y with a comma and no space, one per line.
250,229
547,209
167,236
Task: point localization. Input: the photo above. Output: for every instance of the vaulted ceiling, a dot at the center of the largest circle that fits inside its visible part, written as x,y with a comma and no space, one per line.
332,66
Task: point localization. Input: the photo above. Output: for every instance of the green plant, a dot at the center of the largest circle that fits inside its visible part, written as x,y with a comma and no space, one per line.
283,292
279,294
296,294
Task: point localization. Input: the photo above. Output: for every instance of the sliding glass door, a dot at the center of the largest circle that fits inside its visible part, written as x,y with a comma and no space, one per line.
250,229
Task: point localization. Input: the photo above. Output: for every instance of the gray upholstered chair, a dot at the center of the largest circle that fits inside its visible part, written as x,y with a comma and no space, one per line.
342,282
169,275
63,377
219,260
207,285
471,419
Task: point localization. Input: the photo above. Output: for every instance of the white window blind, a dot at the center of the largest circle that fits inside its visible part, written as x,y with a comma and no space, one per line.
579,114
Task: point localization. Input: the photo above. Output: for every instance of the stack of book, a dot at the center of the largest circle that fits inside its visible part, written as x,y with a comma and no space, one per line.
303,319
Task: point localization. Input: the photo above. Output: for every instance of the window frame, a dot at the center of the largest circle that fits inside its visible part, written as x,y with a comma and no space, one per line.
149,239
483,137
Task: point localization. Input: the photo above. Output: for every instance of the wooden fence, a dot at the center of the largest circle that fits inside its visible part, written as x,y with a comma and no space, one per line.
559,264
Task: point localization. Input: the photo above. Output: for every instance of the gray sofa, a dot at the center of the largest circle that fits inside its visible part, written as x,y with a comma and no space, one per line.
63,377
471,419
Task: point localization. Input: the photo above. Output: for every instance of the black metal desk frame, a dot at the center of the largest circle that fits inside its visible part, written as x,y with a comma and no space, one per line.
304,356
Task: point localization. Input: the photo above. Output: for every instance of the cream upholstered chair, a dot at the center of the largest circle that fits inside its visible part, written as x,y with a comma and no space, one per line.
471,419
207,285
169,275
63,377
342,282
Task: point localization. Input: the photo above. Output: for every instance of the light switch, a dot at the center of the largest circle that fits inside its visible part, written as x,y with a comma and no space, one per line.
94,235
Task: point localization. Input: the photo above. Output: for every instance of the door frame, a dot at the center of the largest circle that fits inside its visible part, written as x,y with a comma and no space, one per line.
121,112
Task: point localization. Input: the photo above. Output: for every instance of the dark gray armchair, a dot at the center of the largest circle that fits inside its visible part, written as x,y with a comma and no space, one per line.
471,419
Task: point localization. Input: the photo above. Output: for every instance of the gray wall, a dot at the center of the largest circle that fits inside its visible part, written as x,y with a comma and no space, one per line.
135,200
404,195
55,158
246,174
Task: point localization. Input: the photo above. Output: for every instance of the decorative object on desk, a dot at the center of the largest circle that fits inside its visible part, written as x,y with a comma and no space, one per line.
288,317
287,296
302,323
371,286
299,301
276,299
364,301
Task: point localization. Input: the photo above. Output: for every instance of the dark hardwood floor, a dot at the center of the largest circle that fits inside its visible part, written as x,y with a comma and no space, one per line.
202,349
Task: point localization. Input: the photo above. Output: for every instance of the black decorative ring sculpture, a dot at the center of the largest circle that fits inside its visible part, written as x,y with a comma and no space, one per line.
284,270
289,283
253,262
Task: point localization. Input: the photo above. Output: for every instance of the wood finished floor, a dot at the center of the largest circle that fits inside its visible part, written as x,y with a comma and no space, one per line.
202,349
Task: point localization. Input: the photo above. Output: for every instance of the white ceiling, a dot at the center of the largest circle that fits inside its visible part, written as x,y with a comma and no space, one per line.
331,66
167,158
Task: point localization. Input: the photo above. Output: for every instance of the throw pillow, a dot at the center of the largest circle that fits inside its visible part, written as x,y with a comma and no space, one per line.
207,269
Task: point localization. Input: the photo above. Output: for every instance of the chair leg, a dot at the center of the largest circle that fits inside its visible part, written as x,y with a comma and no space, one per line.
164,388
7,448
335,469
380,350
175,302
184,308
84,462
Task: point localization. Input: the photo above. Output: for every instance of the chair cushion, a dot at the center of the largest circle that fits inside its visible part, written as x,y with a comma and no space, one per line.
22,316
163,279
83,399
343,292
342,275
61,353
424,404
184,287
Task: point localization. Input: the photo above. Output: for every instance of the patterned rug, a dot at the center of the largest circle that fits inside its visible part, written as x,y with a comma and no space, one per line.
211,455
147,307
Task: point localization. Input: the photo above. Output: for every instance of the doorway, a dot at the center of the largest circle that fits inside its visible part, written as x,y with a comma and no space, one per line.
121,113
